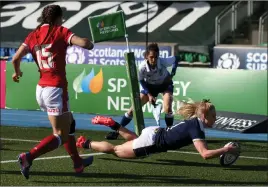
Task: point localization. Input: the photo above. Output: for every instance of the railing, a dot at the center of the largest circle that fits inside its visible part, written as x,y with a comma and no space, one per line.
263,20
231,16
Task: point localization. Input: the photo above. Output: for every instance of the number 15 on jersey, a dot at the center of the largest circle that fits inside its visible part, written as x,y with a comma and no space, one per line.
44,57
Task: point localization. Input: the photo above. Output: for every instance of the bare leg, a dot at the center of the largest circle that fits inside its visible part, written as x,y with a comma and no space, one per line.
122,151
126,119
127,134
104,147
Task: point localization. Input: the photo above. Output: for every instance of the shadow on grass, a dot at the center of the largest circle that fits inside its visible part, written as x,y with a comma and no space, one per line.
190,164
123,178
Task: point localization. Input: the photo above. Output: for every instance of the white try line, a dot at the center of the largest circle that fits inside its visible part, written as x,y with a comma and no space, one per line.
95,154
193,153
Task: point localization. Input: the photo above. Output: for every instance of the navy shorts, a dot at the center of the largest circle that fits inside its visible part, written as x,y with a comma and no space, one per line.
157,89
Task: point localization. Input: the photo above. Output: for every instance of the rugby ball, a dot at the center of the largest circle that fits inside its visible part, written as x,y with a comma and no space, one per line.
228,159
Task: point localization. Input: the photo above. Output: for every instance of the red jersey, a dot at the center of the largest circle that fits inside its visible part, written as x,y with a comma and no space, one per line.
49,54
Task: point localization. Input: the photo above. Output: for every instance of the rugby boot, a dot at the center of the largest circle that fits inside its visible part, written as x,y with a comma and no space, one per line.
103,120
85,163
25,163
112,135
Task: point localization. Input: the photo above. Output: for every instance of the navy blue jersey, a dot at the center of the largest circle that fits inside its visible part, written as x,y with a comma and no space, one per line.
179,135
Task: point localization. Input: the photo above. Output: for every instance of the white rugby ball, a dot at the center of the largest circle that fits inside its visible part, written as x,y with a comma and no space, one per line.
228,159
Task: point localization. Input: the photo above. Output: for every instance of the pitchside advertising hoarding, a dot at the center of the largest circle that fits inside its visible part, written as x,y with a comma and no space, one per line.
109,54
3,84
240,57
105,54
99,89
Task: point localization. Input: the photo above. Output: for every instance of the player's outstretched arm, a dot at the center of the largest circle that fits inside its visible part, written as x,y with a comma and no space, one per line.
82,42
201,147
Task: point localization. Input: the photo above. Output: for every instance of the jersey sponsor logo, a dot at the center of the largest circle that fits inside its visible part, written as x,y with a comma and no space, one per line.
53,110
90,83
228,61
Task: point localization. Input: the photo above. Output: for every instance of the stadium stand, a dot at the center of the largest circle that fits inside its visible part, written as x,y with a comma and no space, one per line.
238,22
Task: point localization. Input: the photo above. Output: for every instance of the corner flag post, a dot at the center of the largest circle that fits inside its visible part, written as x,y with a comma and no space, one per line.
108,27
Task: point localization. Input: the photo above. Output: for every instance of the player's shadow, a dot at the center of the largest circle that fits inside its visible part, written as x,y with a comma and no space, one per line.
232,167
124,178
191,164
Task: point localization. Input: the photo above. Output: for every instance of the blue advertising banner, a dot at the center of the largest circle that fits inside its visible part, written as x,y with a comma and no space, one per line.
109,54
240,57
102,54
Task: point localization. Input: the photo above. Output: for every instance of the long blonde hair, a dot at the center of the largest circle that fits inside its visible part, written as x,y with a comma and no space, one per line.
191,110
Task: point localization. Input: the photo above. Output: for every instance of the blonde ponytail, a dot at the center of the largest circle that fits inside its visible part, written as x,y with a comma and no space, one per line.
187,110
191,110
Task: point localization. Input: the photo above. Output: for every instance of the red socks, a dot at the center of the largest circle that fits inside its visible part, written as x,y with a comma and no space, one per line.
70,147
48,144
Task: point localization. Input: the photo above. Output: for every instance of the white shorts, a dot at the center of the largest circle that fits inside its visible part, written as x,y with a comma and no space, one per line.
53,100
144,144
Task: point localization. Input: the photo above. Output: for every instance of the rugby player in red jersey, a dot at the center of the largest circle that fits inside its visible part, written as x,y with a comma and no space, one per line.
48,44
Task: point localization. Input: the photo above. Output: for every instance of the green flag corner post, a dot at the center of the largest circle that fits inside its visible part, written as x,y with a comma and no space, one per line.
111,26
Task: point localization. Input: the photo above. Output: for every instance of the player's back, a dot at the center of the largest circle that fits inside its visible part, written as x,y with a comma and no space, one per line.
48,48
180,135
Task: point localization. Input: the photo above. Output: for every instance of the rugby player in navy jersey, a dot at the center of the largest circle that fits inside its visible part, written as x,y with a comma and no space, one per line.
155,139
154,78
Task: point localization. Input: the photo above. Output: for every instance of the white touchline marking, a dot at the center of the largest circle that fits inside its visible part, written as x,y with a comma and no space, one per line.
53,157
25,120
47,158
19,140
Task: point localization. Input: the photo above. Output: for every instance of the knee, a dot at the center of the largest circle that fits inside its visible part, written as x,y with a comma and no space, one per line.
122,151
63,136
117,150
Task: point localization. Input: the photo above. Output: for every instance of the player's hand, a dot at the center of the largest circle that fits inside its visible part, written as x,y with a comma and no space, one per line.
16,76
232,148
152,99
